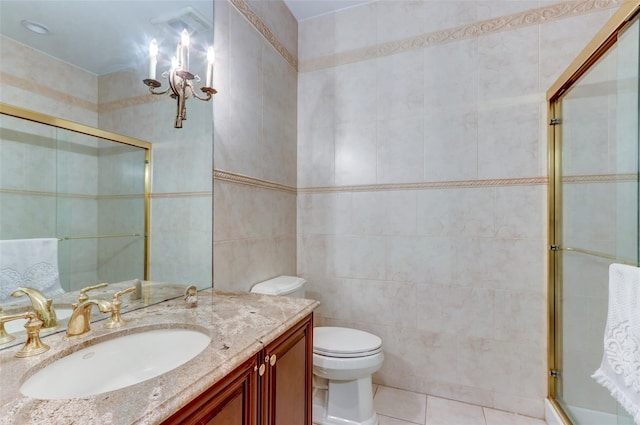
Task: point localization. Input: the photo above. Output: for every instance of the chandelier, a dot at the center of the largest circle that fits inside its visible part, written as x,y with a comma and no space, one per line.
180,79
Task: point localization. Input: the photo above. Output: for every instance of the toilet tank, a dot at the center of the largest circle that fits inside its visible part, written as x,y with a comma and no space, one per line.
287,286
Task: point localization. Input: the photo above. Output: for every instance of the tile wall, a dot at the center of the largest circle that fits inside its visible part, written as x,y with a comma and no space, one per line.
255,143
422,185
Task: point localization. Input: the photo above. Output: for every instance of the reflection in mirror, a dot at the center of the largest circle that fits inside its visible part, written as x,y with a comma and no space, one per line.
88,194
89,70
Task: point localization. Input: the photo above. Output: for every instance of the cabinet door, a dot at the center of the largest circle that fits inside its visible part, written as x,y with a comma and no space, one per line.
232,401
287,396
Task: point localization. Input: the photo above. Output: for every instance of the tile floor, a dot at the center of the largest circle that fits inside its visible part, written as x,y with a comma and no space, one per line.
399,407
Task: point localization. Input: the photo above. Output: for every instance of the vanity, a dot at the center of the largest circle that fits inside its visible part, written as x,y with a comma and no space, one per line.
257,369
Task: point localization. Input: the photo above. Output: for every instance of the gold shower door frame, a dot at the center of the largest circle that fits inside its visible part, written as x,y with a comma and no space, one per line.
600,44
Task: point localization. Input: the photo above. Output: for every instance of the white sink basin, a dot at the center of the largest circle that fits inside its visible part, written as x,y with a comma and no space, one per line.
16,326
115,363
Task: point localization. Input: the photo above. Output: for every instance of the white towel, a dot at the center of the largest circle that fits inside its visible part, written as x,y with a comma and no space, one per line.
620,368
29,262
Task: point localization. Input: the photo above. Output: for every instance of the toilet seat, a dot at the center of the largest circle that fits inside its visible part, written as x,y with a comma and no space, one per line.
345,342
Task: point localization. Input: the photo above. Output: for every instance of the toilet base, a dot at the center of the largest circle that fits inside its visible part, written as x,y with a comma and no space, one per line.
343,402
321,418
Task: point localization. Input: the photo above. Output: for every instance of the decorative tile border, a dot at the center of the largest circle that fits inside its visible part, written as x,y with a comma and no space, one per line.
129,101
266,32
68,195
476,29
230,177
167,195
527,181
46,91
27,192
601,178
250,181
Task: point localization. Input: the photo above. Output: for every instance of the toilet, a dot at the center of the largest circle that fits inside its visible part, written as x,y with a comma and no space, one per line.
343,361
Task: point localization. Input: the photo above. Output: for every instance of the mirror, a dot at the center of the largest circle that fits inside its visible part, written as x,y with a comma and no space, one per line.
90,193
89,69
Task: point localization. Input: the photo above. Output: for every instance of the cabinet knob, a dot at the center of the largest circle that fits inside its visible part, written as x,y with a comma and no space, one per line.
272,361
261,370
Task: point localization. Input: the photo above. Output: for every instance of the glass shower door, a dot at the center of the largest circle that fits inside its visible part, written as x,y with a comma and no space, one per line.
597,212
100,217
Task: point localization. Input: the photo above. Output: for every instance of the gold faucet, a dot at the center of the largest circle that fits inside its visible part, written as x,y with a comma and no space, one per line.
79,323
82,297
116,320
33,345
42,305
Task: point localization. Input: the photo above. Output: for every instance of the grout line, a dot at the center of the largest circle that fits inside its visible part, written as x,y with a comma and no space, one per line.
400,419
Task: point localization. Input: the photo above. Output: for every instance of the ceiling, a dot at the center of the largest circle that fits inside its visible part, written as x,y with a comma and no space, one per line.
103,36
305,9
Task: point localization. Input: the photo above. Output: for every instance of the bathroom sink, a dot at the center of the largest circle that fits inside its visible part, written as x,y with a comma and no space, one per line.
115,363
16,326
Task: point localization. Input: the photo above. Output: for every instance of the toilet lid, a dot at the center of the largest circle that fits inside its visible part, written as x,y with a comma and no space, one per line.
281,285
345,342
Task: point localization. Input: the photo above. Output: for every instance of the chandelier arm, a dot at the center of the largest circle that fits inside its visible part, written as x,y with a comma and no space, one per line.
159,92
207,98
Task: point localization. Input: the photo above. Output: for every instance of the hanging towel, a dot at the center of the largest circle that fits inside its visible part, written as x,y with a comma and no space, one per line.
620,368
29,262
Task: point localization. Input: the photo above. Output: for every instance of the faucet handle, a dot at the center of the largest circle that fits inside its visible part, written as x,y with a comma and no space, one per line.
33,345
117,295
4,335
83,292
116,319
191,296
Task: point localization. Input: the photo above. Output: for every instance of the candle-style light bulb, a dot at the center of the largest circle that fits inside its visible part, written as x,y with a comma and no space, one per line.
211,58
174,63
184,37
153,58
184,50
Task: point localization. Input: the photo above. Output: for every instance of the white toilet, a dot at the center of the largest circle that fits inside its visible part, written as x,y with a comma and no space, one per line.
343,361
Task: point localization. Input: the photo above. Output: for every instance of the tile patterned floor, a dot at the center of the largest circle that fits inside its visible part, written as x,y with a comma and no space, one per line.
399,407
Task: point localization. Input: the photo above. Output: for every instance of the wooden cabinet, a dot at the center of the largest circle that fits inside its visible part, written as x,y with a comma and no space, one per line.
287,384
272,388
231,401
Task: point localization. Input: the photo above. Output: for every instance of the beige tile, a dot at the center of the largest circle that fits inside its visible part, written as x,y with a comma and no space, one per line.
386,420
386,303
355,153
400,150
441,411
400,404
498,417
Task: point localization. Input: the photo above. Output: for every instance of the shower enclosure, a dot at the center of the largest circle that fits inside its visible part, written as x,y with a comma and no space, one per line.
594,157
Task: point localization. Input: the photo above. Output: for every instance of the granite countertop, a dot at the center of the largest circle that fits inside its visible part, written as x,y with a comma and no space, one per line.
239,324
